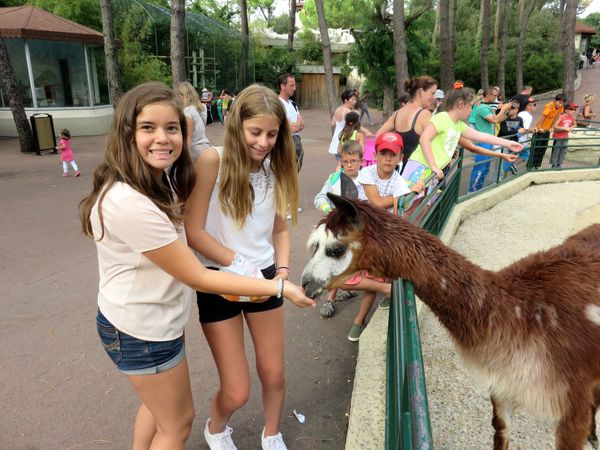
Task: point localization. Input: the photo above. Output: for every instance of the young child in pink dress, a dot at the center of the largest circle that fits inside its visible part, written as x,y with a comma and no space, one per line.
66,153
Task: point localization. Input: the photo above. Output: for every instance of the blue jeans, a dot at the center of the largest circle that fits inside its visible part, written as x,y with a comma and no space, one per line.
134,356
480,171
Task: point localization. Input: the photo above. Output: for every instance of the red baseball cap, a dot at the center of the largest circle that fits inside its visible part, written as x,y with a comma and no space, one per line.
389,141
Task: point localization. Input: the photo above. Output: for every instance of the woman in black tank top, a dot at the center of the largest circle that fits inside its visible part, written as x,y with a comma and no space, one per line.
421,91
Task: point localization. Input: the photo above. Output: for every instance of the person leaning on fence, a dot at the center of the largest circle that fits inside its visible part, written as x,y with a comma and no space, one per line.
544,125
564,124
438,142
586,114
510,129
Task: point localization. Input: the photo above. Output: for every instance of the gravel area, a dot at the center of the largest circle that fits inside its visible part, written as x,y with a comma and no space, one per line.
537,218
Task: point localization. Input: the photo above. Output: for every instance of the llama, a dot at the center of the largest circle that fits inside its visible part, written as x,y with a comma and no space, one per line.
529,332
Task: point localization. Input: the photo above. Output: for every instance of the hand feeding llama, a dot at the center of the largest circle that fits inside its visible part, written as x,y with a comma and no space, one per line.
530,332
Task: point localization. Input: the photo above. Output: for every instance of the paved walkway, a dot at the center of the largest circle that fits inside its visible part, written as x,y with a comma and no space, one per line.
60,391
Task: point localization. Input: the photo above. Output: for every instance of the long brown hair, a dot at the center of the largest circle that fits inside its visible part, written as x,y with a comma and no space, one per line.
123,161
235,194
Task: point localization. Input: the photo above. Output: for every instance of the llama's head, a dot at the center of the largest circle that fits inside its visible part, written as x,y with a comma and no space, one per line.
337,245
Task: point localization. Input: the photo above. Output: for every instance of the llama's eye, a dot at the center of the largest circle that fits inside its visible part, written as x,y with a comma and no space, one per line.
336,251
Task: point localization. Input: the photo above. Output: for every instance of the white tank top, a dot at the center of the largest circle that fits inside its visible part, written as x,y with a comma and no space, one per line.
254,240
335,139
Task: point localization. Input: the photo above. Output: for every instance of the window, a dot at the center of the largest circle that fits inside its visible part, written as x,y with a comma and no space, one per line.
59,73
99,82
16,52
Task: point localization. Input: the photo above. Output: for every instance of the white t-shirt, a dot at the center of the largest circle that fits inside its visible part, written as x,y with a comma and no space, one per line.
395,186
527,119
335,139
254,240
290,111
199,139
135,295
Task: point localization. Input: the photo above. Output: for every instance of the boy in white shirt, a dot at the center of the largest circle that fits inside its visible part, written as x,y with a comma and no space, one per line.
383,185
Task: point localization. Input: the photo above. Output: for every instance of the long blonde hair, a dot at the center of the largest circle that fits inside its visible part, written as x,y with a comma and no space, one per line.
124,163
190,96
236,196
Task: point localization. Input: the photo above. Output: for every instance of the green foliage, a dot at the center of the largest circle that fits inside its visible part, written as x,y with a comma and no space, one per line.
272,62
339,13
281,24
593,20
373,55
224,11
136,61
84,12
312,49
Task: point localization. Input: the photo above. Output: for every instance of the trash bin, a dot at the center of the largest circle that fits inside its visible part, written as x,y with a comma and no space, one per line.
42,127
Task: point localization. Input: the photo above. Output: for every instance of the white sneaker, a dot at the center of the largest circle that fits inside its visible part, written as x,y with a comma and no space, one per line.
272,442
219,441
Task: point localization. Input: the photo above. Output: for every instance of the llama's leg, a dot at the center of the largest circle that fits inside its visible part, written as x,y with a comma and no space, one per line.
593,437
574,426
500,422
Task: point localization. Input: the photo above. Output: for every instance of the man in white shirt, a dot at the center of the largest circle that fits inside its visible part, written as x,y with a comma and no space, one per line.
287,88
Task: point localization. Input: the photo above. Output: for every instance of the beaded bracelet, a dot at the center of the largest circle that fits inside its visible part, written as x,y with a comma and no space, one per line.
282,268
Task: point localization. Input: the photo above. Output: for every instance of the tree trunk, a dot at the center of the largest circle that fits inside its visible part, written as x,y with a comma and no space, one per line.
15,101
446,50
568,39
244,55
113,75
388,100
178,71
400,57
290,41
524,15
436,27
504,19
497,23
485,43
327,65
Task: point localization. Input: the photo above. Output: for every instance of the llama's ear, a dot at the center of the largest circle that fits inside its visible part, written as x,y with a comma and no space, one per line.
347,208
348,188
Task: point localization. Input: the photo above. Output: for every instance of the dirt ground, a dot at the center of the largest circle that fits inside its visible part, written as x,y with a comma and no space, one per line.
59,390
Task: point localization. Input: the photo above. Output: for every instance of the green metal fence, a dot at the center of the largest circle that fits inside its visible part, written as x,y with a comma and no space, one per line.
407,415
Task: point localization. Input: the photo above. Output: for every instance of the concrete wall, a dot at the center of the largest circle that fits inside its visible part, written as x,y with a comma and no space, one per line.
79,121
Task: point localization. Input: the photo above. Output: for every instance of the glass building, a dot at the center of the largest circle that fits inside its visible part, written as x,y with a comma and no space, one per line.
59,67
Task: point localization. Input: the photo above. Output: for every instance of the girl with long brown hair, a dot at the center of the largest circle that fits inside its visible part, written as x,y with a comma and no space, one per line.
135,216
237,218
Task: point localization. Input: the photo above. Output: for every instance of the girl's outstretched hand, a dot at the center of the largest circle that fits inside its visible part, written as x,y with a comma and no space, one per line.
295,294
509,157
515,147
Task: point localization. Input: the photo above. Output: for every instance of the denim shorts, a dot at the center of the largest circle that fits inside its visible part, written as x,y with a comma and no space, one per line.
134,356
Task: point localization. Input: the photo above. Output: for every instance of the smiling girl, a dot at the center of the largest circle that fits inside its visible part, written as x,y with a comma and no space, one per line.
134,214
237,222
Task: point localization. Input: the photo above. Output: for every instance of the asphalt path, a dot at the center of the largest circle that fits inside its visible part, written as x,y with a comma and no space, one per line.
58,388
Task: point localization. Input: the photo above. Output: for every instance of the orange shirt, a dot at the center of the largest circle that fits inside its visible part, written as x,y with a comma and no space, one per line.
550,113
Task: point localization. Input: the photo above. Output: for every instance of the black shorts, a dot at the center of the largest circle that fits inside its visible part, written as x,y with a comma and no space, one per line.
214,308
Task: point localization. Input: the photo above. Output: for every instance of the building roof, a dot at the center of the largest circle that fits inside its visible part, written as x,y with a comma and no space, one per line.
584,29
34,23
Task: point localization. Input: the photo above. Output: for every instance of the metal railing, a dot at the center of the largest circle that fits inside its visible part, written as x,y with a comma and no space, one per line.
407,414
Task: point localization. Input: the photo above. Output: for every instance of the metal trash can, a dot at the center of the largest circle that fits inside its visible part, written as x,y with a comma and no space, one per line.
42,127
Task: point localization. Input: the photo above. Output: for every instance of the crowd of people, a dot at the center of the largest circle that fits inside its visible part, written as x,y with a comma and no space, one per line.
232,251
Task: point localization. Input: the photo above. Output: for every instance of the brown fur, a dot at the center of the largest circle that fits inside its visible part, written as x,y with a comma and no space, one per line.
532,310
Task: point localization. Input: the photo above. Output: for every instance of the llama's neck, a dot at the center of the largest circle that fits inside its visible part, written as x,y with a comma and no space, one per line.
455,289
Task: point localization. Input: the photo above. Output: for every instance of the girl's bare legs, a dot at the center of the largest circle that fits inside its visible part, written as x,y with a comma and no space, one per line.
144,429
226,341
165,418
365,306
267,330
